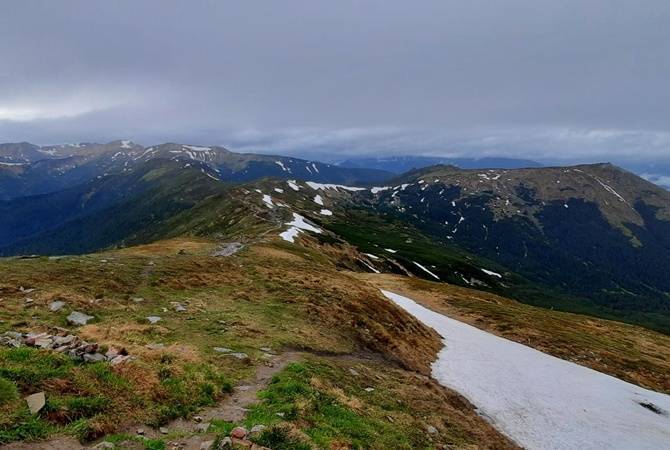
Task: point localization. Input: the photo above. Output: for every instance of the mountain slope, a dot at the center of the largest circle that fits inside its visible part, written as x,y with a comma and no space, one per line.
26,169
401,164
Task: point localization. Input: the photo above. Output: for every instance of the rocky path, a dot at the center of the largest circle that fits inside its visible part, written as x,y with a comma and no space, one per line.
233,408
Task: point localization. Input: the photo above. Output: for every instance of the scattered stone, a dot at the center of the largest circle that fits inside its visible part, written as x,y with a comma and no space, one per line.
64,343
222,350
256,429
29,301
266,349
238,433
228,249
104,445
119,359
94,357
26,291
202,427
140,431
369,389
225,443
154,319
163,430
36,402
78,318
197,418
138,299
56,306
354,372
239,355
179,308
206,445
431,429
281,414
103,260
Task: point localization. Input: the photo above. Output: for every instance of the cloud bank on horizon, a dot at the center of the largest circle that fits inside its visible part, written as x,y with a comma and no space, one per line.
577,80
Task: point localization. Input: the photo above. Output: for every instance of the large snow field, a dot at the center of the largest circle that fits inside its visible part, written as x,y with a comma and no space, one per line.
539,401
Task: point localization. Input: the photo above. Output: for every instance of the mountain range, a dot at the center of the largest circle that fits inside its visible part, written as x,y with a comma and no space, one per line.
590,238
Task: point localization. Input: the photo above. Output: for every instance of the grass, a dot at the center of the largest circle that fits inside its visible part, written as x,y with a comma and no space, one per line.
89,400
321,402
264,297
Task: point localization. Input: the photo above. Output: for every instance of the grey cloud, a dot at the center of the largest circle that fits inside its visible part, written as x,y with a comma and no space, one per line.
533,78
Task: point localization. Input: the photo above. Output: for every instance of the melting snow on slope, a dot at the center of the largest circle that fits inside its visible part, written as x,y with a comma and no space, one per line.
426,270
283,167
492,273
196,148
292,184
390,250
125,144
540,401
298,224
326,212
268,201
376,190
318,200
317,186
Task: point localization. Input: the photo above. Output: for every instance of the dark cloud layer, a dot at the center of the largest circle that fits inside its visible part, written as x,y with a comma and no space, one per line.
568,80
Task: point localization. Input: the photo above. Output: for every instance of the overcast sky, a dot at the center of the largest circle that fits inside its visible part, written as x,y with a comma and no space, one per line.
543,79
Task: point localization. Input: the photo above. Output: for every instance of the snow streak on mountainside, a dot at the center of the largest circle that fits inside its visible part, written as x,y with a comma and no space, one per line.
540,401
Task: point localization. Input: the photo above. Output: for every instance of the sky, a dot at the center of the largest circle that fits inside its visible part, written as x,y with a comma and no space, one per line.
563,81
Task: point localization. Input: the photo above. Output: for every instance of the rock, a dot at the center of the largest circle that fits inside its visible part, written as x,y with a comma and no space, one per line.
256,429
119,359
153,319
94,357
197,418
222,350
56,306
163,430
206,445
36,402
29,301
78,318
138,299
239,355
140,431
431,429
225,443
354,372
44,342
104,445
266,349
369,389
202,427
179,308
32,338
64,340
238,433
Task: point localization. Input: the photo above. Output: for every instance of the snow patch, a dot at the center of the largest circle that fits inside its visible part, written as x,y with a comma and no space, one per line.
292,184
492,273
426,270
317,186
297,225
318,200
540,401
326,212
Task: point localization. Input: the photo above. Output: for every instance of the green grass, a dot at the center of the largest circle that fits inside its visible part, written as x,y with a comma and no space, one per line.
88,400
8,391
323,415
